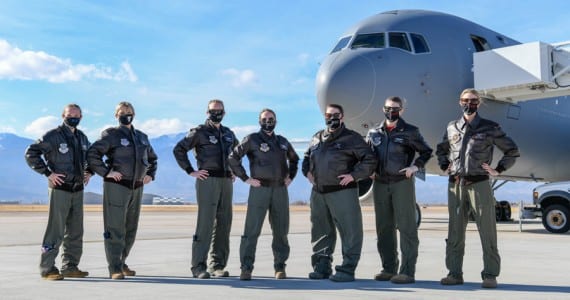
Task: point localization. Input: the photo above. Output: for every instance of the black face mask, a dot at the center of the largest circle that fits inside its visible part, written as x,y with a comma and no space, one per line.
216,116
267,127
469,109
333,124
71,122
126,119
267,124
392,115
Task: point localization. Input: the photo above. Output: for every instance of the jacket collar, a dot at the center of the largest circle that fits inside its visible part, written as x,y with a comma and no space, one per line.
265,137
327,136
474,123
399,126
211,127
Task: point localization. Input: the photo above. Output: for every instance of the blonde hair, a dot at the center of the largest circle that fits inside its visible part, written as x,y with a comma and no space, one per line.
124,104
469,91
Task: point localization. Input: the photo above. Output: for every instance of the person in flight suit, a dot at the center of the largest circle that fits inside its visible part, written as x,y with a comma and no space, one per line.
336,159
212,143
273,165
395,144
130,164
465,154
60,156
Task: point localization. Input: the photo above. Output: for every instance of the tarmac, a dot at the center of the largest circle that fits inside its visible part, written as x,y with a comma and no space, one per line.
535,263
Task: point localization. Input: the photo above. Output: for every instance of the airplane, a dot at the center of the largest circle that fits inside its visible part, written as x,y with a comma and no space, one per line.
427,58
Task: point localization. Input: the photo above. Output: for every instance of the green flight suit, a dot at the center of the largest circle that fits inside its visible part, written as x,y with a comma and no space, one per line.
276,201
214,196
65,220
340,208
479,198
121,210
395,205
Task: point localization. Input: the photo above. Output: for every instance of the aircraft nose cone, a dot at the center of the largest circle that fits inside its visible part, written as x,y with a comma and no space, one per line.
348,80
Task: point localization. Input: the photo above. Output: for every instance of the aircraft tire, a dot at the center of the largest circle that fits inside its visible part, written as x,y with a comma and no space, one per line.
498,212
505,211
555,218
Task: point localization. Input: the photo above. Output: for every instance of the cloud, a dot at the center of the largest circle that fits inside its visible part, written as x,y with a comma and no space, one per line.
7,129
241,78
242,131
41,125
17,64
158,127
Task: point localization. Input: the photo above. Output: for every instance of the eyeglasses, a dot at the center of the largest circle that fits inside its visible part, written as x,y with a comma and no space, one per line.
392,109
268,121
215,111
469,100
333,115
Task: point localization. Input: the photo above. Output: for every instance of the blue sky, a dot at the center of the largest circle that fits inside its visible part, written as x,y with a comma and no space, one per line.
170,57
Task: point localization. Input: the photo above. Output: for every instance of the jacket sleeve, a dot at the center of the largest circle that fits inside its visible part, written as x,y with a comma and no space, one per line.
234,159
181,149
293,160
306,164
86,167
508,147
423,149
33,156
442,153
153,162
96,152
366,159
368,140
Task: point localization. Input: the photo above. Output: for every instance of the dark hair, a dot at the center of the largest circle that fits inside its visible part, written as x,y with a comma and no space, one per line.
267,110
337,106
397,100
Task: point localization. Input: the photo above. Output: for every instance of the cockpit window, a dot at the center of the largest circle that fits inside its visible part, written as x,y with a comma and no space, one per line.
341,44
420,45
399,40
480,43
369,40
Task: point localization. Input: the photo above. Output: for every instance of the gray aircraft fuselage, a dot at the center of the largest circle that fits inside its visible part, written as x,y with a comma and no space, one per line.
361,79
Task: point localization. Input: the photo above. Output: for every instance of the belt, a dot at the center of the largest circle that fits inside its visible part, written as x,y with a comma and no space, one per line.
272,182
219,173
126,183
467,180
68,187
323,189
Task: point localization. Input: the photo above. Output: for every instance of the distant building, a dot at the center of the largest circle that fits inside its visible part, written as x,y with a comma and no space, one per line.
167,201
10,202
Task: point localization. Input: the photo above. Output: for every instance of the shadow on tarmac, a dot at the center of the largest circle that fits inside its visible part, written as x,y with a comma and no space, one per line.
298,283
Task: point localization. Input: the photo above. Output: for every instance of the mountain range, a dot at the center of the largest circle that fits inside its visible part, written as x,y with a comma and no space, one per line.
20,183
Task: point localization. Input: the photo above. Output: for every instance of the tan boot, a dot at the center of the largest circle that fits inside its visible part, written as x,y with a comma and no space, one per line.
117,276
452,280
245,275
383,276
52,275
489,283
220,273
280,275
402,279
74,272
128,272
